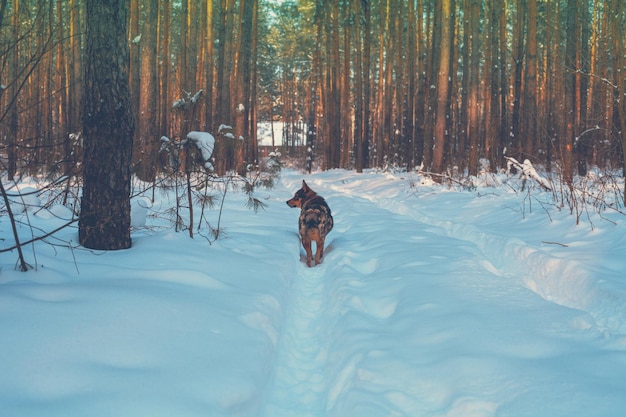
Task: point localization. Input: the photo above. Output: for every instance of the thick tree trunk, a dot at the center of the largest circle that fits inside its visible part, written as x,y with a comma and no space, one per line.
108,128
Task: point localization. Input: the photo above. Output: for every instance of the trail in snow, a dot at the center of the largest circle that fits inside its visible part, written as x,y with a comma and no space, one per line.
549,275
300,379
388,300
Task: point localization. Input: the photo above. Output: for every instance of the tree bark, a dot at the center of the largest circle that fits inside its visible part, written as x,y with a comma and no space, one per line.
358,89
147,139
474,102
618,19
13,91
108,125
570,99
443,19
530,117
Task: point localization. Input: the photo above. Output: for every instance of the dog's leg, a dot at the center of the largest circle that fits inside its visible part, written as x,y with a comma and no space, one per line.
306,242
319,250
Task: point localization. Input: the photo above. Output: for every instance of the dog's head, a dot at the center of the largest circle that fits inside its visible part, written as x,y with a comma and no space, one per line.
303,194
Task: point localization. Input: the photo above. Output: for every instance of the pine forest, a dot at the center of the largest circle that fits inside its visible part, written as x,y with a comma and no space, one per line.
440,85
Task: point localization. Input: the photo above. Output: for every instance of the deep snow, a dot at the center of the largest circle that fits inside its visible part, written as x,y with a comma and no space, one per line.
429,302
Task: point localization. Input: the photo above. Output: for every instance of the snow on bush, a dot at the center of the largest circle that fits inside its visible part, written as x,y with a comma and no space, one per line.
205,142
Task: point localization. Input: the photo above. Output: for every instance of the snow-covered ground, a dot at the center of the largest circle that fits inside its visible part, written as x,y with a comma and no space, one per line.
429,302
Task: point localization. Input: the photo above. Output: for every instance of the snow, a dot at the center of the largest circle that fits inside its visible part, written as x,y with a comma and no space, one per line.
205,142
430,302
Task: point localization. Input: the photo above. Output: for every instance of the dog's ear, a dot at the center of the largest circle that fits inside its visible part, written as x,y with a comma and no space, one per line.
304,185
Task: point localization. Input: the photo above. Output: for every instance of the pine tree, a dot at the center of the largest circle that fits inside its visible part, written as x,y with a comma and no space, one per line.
108,128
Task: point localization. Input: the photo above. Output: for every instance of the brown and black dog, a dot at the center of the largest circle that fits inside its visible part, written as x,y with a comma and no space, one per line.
315,221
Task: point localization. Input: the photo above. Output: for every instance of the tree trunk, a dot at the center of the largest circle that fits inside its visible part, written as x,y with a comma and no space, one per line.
108,123
165,36
618,20
518,67
490,87
503,92
13,92
358,89
136,36
75,70
412,76
209,67
570,102
440,135
367,91
147,139
530,118
345,96
473,110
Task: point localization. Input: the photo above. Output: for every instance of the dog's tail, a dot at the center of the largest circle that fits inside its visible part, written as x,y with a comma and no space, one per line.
312,219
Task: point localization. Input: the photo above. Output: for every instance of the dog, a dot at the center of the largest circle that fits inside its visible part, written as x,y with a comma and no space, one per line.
315,222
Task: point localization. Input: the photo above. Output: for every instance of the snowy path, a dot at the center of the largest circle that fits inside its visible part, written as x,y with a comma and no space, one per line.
300,380
415,302
395,295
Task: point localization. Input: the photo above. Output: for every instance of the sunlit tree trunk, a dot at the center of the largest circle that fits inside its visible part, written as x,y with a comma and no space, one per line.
75,64
147,139
367,86
474,103
421,88
358,87
209,68
164,67
440,135
224,65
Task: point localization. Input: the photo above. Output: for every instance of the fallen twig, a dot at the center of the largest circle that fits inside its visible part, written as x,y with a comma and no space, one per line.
555,243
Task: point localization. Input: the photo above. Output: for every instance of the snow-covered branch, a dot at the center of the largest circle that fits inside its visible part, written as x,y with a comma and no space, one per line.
190,101
528,171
